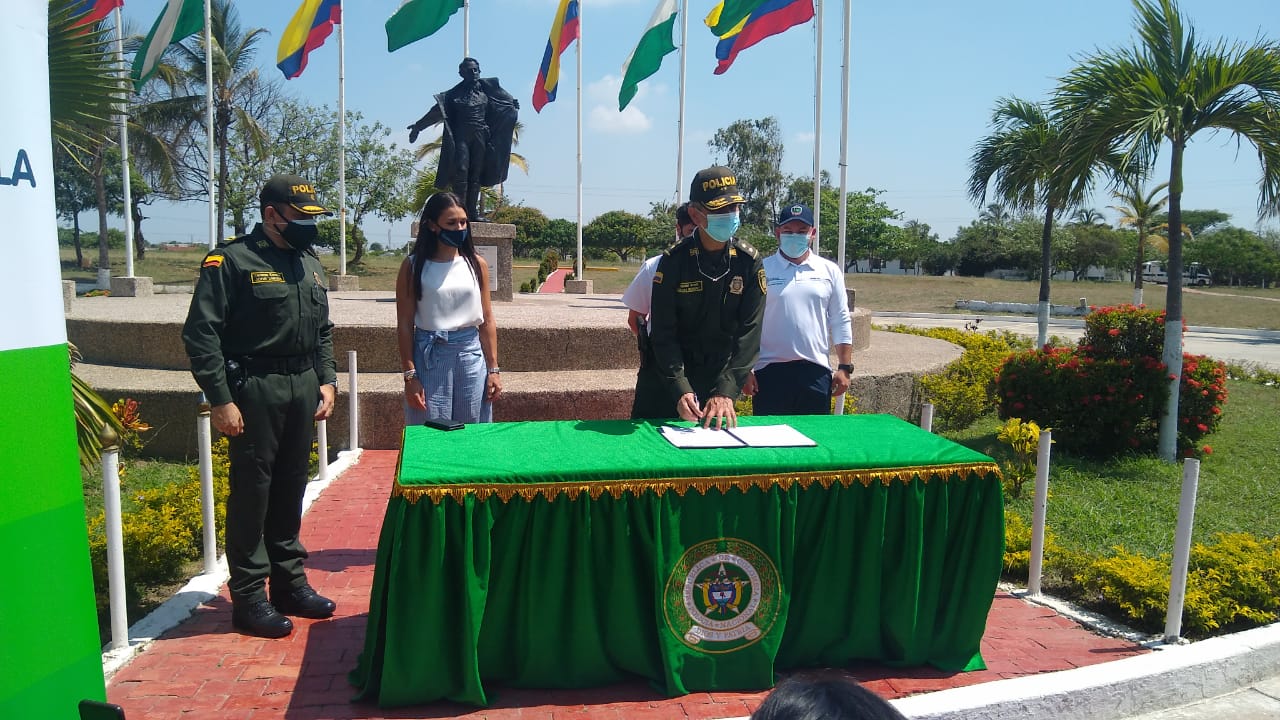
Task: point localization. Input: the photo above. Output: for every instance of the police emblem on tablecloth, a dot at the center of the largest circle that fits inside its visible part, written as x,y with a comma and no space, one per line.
722,596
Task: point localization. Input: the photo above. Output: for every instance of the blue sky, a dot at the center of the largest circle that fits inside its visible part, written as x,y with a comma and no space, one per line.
925,76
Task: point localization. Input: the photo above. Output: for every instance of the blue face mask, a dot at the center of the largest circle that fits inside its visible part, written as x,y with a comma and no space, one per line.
724,226
793,245
454,238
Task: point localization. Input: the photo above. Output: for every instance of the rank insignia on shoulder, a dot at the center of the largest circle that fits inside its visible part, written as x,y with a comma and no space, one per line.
657,278
258,278
212,261
748,249
735,285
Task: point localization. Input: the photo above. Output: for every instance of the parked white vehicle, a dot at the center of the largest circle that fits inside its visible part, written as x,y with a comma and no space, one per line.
1155,271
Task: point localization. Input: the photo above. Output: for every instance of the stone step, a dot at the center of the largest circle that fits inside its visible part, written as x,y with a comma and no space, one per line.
884,382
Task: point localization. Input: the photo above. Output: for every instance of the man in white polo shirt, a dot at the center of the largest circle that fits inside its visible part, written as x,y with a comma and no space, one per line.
806,311
639,293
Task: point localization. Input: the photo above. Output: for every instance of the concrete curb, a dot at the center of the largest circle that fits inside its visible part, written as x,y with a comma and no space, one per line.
201,588
1171,677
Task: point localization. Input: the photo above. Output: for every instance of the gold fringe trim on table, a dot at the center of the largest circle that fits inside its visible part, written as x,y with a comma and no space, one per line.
594,489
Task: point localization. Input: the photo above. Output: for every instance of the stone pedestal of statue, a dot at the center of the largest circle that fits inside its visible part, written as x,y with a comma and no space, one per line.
344,283
579,287
493,243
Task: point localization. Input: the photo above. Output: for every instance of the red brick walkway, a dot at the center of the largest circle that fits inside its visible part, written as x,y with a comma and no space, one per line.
202,669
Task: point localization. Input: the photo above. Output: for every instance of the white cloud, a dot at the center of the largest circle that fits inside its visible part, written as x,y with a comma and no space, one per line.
804,138
631,121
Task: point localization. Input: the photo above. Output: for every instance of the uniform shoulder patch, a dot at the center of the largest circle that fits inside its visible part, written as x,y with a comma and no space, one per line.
212,260
747,248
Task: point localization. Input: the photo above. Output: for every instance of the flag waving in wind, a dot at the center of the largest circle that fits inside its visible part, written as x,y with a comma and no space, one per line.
564,30
416,19
654,45
94,10
178,20
306,31
769,18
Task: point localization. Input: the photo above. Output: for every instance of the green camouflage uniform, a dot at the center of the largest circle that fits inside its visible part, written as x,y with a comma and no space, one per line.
266,309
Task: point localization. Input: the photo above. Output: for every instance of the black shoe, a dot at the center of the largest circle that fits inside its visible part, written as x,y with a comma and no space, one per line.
258,617
304,602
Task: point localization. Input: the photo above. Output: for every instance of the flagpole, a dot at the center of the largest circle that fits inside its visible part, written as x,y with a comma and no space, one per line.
208,117
817,132
342,143
844,133
580,33
124,150
684,39
466,28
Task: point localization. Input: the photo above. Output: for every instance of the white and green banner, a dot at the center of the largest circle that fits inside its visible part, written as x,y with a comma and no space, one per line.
179,20
50,653
654,45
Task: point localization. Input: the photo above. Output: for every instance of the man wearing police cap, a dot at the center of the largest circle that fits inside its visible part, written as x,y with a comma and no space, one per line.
707,305
261,348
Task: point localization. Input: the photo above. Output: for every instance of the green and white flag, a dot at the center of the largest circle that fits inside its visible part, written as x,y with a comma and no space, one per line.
647,57
180,19
417,19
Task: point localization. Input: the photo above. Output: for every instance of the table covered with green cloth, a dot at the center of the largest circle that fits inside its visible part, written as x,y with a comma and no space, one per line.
573,554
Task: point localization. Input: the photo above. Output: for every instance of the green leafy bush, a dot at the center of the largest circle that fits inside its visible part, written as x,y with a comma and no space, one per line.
965,390
1230,585
1105,396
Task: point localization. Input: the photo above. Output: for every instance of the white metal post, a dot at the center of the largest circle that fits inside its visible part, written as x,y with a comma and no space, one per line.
115,539
322,450
214,229
204,443
817,128
1036,564
353,400
342,144
1182,549
124,149
926,416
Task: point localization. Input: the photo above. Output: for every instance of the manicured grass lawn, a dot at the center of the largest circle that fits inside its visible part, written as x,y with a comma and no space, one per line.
1221,307
1094,506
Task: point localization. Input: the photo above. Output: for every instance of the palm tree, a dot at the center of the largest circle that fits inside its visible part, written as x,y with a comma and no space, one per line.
1165,89
1022,164
1139,212
235,75
1088,216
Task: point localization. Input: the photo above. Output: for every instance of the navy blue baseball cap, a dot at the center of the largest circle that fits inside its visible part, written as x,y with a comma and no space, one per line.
796,212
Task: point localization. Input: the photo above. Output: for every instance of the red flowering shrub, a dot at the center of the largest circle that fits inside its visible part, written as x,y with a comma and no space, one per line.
1106,395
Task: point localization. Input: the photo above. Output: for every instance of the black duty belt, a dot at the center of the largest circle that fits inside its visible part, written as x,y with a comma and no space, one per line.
278,365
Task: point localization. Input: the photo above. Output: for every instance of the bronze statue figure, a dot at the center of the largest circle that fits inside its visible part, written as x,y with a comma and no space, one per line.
479,120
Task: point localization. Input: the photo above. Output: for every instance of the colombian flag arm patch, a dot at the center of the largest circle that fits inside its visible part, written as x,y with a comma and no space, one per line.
212,261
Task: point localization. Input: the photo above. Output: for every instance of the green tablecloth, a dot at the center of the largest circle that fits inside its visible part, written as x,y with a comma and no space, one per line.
571,554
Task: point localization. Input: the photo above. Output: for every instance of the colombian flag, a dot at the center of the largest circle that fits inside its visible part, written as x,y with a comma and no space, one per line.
564,30
770,18
306,31
95,10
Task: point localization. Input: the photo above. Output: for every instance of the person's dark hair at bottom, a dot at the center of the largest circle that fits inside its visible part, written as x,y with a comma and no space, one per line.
824,699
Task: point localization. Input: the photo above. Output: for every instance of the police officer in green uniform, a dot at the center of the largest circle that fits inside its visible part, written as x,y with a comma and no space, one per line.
261,348
708,303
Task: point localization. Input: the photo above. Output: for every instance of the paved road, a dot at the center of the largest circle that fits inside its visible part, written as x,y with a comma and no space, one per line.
1257,346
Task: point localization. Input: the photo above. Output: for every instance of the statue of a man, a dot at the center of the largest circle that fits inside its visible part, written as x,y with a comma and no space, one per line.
479,120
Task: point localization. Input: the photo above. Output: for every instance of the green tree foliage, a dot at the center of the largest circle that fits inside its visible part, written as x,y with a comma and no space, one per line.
1236,256
753,150
531,225
618,231
1022,163
1198,221
562,236
1140,210
1090,245
1165,89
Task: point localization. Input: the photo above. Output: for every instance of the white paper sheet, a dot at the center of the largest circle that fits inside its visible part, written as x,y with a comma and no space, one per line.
698,437
772,436
741,436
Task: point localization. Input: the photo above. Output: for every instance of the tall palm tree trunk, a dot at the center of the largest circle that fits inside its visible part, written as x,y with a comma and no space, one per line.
1046,270
1137,265
1168,439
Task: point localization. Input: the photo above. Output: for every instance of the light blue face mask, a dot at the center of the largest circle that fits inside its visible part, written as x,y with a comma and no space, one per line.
724,226
793,245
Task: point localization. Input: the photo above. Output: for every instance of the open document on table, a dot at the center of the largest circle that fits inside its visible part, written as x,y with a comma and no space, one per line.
741,436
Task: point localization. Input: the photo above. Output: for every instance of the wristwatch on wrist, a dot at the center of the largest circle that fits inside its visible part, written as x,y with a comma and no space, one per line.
847,367
410,374
495,370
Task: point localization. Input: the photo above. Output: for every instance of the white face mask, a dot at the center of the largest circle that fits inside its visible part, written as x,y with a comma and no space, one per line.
793,245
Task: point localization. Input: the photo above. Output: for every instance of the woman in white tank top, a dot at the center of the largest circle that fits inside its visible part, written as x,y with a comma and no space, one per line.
445,331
